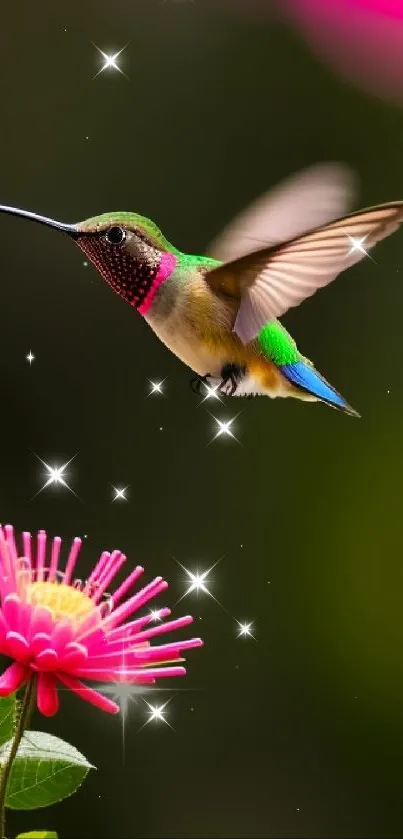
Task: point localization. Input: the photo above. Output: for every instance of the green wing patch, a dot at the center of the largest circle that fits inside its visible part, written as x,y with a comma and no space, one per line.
276,343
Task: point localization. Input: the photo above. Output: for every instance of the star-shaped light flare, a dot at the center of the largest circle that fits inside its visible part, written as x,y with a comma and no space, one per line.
156,388
198,582
212,392
55,475
245,630
30,357
357,245
120,494
110,61
156,713
224,428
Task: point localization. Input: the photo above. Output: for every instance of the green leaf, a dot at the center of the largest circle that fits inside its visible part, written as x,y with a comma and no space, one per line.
45,770
38,834
7,714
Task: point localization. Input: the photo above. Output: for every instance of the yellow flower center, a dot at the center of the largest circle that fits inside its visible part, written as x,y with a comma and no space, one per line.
64,601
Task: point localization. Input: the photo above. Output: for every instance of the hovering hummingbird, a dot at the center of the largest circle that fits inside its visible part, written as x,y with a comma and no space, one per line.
219,316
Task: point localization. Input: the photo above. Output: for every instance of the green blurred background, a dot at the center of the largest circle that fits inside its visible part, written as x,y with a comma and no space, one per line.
300,733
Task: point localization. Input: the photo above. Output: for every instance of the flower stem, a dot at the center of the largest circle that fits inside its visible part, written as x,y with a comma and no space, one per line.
21,725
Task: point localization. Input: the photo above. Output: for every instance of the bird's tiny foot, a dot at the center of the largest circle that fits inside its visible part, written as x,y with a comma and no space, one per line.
198,381
231,376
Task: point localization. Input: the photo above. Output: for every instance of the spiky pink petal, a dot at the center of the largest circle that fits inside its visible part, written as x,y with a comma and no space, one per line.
26,541
25,619
7,577
129,675
13,678
41,621
11,611
142,656
108,576
9,533
127,584
62,635
111,563
130,629
136,602
133,658
40,642
74,656
40,554
89,694
54,561
115,647
47,697
100,565
162,628
89,628
18,647
71,561
48,660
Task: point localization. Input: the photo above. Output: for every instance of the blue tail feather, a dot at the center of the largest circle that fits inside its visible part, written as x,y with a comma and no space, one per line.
305,376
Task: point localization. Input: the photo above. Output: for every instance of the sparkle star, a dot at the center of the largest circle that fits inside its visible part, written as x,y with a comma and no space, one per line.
110,61
211,393
245,630
224,429
120,494
155,614
357,245
197,581
156,713
30,357
156,387
55,475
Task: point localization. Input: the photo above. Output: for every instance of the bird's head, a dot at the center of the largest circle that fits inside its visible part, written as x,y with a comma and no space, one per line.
128,250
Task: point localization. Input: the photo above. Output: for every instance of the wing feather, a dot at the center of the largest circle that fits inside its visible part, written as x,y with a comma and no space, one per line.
268,282
303,201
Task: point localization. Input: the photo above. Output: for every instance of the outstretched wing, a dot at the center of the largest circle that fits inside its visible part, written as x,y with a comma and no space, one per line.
268,282
304,201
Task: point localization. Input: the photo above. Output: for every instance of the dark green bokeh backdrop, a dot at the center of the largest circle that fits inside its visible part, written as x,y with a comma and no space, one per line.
301,733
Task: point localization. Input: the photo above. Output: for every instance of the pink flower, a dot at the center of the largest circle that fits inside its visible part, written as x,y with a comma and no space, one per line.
63,630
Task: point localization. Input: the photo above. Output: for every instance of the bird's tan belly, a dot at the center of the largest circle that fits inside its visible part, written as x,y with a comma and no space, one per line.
209,357
189,347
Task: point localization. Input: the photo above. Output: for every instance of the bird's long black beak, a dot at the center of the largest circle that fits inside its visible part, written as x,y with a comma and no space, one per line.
71,229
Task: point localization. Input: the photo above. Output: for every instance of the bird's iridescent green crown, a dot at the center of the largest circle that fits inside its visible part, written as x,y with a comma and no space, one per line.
132,221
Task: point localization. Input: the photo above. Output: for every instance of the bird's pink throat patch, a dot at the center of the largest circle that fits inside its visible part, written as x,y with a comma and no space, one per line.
167,265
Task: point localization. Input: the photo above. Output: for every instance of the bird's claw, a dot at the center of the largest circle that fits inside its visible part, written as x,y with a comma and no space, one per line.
228,386
231,375
197,382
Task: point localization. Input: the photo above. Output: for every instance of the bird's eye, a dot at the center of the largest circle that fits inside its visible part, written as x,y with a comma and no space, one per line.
115,235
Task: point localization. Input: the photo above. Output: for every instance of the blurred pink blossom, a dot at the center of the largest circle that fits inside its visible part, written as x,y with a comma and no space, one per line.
361,39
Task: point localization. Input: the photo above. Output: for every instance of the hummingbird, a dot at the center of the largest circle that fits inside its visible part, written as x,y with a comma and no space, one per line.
218,313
